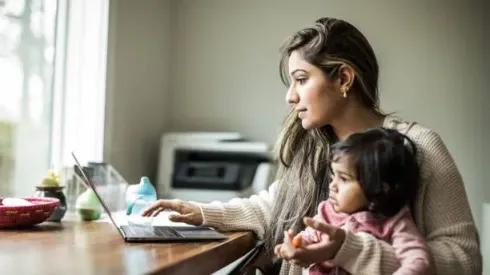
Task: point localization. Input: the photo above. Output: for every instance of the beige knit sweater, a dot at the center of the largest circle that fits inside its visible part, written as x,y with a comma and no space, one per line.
442,214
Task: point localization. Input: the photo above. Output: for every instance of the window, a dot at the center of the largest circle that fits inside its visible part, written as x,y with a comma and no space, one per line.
52,87
27,37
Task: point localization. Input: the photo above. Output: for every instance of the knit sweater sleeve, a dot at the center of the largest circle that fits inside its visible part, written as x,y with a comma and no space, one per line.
251,213
444,216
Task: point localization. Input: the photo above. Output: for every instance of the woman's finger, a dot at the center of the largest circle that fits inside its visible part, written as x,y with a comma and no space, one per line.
288,250
179,218
277,250
164,205
332,238
321,245
185,218
154,207
321,226
176,218
288,238
158,211
282,252
286,247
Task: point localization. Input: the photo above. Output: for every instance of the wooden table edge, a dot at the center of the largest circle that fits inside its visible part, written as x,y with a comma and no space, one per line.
213,259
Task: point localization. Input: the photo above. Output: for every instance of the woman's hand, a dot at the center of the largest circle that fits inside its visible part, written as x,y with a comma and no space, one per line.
332,239
297,241
188,212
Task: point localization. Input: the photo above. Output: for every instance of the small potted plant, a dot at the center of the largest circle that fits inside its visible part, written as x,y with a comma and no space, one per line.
50,187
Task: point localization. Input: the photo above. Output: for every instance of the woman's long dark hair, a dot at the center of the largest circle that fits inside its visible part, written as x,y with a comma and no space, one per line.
304,155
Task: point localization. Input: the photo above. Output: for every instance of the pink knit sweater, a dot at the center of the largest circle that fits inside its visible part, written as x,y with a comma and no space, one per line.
399,231
442,215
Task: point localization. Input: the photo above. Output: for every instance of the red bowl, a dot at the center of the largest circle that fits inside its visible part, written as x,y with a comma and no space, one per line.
15,216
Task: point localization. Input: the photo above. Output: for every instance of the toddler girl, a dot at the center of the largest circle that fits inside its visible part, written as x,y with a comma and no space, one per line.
375,176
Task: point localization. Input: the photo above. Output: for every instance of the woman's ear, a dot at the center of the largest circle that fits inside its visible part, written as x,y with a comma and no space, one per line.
346,77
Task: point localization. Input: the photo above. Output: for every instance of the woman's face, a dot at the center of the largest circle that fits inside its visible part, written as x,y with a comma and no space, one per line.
315,99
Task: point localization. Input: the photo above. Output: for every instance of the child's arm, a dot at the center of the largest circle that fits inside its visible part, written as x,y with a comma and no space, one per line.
410,247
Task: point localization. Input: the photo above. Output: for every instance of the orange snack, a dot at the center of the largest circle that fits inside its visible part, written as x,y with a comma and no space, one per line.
297,241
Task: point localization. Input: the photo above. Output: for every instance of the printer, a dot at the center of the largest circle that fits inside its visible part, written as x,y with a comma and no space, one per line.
208,166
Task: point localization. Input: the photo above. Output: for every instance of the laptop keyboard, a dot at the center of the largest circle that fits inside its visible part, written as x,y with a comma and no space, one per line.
153,231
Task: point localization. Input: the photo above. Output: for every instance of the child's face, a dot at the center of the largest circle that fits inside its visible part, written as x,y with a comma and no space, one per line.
346,194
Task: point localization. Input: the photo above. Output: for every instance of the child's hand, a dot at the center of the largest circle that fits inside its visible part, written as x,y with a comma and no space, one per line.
319,251
277,250
297,242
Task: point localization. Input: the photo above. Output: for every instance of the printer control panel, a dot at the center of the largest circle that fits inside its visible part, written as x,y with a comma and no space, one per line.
201,169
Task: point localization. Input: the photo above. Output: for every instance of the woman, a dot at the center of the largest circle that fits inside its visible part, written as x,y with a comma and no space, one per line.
333,90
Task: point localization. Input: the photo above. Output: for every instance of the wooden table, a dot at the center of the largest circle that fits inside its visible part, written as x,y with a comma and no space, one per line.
97,248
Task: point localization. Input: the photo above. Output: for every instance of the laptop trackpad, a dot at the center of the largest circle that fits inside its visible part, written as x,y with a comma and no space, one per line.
198,232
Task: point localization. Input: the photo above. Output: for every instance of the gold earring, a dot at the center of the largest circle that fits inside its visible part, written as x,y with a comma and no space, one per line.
344,92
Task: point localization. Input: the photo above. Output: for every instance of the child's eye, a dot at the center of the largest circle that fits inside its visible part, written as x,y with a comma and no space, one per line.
344,180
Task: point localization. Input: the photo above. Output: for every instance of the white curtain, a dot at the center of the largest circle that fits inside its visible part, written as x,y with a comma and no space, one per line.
81,87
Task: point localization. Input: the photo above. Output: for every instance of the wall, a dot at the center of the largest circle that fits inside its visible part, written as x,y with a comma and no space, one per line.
213,65
225,56
137,84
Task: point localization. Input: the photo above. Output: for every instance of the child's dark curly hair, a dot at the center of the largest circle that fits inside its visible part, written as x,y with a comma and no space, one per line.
385,165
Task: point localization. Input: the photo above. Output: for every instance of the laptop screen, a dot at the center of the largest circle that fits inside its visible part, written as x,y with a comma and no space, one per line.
92,186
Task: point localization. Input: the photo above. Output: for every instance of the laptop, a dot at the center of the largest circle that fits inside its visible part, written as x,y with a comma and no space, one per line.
137,233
